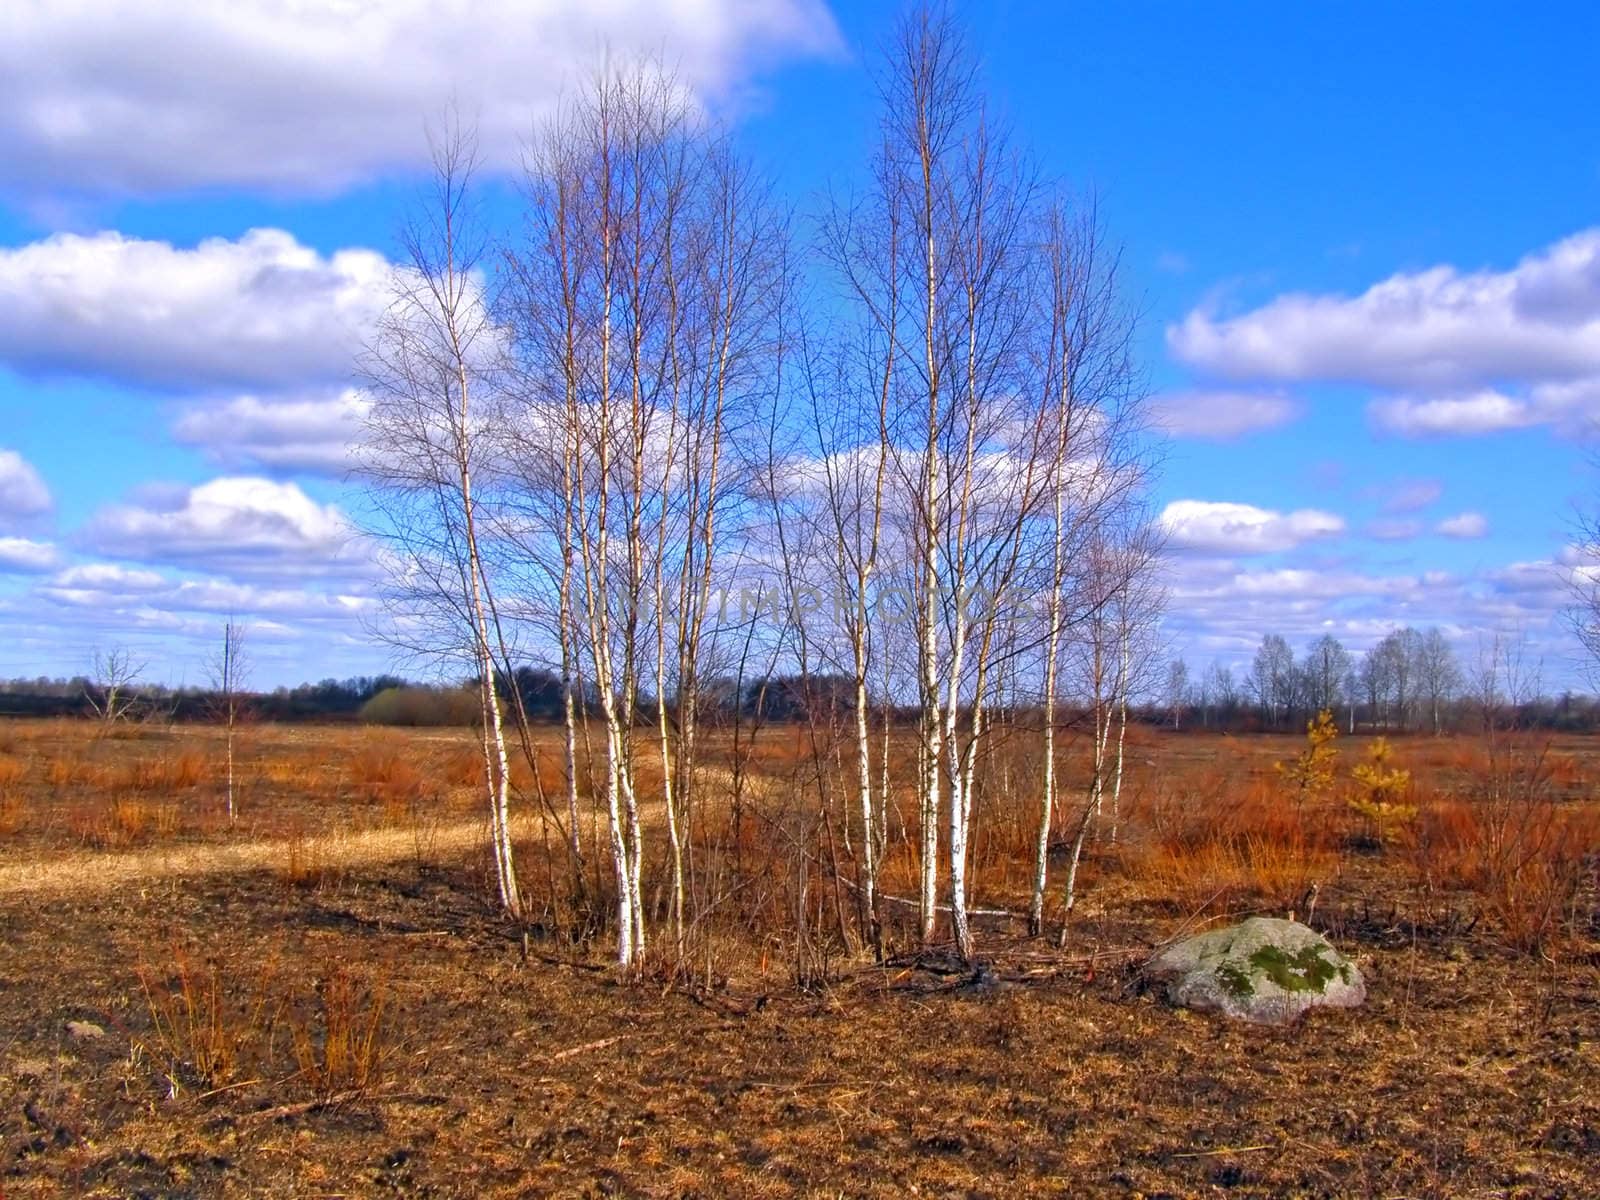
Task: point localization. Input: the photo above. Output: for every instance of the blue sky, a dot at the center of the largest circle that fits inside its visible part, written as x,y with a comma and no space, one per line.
1364,240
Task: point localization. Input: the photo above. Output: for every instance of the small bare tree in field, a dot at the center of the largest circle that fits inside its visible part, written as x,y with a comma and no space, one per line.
111,695
1326,668
1583,582
230,673
1439,675
1177,690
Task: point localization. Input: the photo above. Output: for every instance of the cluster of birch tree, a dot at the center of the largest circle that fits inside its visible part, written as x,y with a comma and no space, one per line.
664,439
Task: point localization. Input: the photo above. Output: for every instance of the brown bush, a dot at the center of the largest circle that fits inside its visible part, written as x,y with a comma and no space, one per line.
1528,864
61,772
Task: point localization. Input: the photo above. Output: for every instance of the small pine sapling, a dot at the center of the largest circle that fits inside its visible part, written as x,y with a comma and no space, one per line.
1382,787
1310,773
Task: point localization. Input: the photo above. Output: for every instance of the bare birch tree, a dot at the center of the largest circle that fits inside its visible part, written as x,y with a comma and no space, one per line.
644,310
430,374
996,353
1088,409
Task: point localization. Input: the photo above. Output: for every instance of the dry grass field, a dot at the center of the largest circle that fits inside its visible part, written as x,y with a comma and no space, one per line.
320,1000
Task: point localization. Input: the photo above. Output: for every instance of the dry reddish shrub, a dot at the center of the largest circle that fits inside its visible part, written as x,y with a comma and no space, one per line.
171,772
1566,772
382,773
111,824
188,768
12,772
1207,836
1223,872
218,1022
130,819
549,771
307,863
61,772
464,768
293,773
1527,855
166,821
209,1023
1529,865
340,1045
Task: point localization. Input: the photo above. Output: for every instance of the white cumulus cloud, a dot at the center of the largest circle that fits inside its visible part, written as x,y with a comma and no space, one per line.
1482,412
262,311
1572,409
22,492
1433,330
23,555
146,96
238,523
1218,527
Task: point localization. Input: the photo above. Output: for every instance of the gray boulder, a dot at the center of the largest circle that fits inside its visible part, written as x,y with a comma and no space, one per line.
1263,970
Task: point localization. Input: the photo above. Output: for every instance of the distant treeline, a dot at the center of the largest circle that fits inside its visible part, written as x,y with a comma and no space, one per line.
329,700
377,699
824,698
391,700
1409,681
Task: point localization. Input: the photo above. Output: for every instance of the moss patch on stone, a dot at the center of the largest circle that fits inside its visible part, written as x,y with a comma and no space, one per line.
1304,971
1236,981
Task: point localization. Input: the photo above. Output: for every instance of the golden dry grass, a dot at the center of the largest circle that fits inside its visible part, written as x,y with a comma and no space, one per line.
74,874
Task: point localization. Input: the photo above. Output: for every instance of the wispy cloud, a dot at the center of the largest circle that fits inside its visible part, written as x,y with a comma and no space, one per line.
1222,415
22,491
1464,525
314,434
1410,495
1393,529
